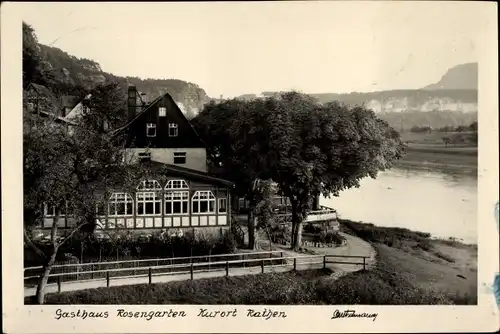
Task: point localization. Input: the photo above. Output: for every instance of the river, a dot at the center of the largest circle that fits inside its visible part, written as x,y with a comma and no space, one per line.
438,202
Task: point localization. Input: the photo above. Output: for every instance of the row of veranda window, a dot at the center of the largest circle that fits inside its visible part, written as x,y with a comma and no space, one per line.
149,202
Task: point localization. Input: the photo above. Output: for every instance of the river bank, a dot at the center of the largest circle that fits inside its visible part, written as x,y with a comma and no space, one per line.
463,159
443,265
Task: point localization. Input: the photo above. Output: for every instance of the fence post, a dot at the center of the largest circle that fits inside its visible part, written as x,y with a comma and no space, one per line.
92,271
107,279
150,275
281,254
294,263
191,271
262,265
227,268
364,262
324,262
59,284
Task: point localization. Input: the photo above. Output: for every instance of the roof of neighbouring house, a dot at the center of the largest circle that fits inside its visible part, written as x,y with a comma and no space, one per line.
56,118
69,101
77,110
41,90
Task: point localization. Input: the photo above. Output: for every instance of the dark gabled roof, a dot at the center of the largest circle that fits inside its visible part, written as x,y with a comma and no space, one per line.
148,106
187,172
123,127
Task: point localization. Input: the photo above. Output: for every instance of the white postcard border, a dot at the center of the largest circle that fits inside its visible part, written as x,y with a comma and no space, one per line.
18,318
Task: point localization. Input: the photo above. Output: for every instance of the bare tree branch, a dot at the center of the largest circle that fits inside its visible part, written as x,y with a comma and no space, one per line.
33,246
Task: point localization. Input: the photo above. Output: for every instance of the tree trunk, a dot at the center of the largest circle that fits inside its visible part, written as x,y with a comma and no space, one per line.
296,226
251,230
42,283
298,236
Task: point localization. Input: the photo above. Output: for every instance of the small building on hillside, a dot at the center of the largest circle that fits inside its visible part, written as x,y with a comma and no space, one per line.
38,100
67,104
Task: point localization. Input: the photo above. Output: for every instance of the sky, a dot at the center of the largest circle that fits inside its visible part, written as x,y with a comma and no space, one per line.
236,48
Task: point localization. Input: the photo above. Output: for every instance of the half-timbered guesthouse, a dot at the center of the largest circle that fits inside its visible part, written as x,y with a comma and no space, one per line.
177,193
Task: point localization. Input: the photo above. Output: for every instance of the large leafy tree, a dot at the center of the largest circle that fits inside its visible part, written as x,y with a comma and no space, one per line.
307,148
323,149
69,169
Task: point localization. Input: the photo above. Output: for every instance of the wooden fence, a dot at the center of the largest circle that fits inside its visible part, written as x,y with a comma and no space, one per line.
93,270
192,267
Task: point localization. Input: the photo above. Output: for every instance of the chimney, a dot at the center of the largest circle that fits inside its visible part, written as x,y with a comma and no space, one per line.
132,102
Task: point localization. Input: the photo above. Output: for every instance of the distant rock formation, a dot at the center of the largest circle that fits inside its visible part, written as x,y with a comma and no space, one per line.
463,76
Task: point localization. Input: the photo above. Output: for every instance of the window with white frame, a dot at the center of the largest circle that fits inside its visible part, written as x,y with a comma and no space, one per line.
162,111
203,202
148,201
222,205
50,210
179,158
176,184
176,202
173,129
120,204
150,130
149,185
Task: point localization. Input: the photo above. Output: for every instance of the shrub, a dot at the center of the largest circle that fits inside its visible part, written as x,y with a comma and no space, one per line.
444,257
311,228
129,246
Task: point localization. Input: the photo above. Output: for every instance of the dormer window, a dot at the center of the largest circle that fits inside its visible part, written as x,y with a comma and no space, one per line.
151,130
162,111
173,130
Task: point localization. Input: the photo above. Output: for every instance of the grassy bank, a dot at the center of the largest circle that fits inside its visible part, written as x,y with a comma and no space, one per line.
446,266
411,269
434,138
428,150
382,286
428,155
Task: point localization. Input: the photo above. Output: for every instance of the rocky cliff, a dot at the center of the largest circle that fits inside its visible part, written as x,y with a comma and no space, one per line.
456,91
463,76
450,101
87,73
